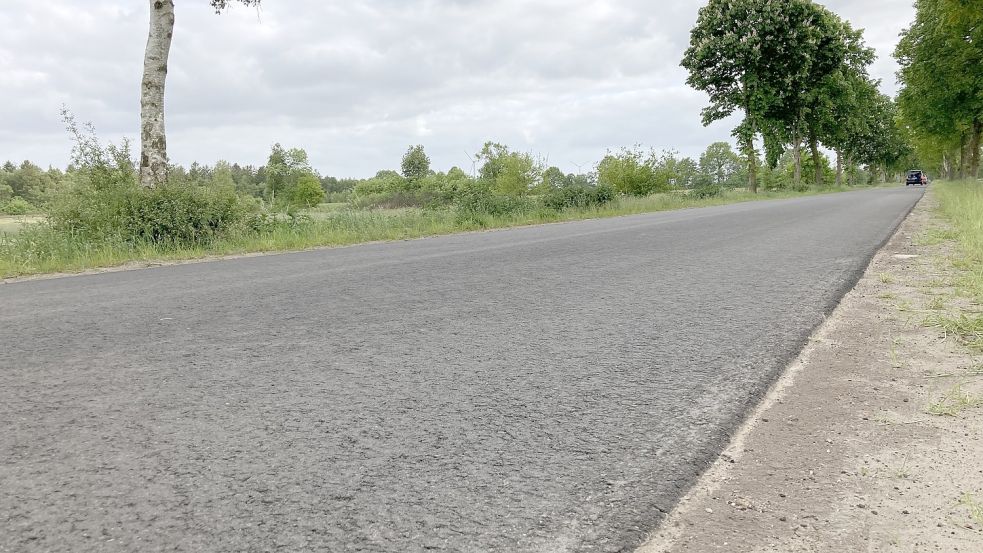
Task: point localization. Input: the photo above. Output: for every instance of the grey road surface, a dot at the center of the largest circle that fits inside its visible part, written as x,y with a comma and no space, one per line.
551,388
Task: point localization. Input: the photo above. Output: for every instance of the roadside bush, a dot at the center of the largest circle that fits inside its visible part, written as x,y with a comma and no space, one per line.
476,201
104,204
17,206
383,181
392,199
443,187
337,197
706,191
187,214
507,172
577,196
172,213
631,173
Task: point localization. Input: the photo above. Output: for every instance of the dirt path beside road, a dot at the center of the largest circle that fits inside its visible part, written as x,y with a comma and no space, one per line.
871,442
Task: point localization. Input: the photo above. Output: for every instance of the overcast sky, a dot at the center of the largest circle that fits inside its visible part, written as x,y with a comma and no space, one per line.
355,83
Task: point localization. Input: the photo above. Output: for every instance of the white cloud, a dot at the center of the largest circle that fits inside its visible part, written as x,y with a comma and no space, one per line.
356,82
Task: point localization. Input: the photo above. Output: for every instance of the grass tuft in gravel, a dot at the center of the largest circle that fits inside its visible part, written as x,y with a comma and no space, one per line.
954,402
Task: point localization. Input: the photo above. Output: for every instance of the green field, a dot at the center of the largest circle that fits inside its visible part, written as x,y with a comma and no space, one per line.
11,224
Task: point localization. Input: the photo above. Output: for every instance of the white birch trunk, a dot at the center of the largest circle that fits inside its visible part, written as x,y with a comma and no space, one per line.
153,143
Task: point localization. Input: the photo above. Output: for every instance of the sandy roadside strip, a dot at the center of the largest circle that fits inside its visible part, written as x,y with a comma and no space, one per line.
844,454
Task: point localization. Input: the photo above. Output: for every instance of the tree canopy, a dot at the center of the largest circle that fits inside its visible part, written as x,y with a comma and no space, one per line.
793,68
941,100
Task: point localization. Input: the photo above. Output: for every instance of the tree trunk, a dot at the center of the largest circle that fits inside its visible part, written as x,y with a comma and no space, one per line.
797,156
963,149
839,168
817,170
850,171
153,143
748,142
974,149
752,165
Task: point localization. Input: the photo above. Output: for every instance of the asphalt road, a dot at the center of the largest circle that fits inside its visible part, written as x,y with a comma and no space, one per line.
551,388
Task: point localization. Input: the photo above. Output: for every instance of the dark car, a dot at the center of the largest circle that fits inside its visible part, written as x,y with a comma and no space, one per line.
916,178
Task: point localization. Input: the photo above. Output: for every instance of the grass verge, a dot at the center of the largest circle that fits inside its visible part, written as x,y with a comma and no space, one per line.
961,203
37,250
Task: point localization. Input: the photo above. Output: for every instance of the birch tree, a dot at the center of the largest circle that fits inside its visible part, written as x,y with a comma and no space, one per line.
153,139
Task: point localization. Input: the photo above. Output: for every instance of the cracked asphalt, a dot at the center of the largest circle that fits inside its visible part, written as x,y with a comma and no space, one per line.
549,388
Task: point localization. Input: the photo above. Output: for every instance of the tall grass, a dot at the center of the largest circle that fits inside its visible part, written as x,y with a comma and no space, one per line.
961,203
39,248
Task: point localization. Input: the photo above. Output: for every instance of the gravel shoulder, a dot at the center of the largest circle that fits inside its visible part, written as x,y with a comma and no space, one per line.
871,439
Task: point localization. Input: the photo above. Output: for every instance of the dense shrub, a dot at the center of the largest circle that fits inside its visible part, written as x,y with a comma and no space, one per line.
577,195
104,203
383,181
173,213
17,206
630,172
476,201
307,192
707,190
337,197
443,188
507,172
393,199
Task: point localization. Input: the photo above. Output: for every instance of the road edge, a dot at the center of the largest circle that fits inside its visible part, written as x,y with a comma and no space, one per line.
668,531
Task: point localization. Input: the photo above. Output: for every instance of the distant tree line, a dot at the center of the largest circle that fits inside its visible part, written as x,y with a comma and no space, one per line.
287,180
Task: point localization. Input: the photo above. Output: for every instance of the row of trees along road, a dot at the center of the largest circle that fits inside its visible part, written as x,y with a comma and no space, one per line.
798,72
941,100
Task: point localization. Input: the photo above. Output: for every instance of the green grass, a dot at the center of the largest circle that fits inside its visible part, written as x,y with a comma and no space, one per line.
968,327
40,250
934,236
974,507
954,402
937,303
961,203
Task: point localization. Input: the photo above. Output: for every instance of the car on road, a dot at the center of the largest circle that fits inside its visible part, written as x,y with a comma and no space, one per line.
916,177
